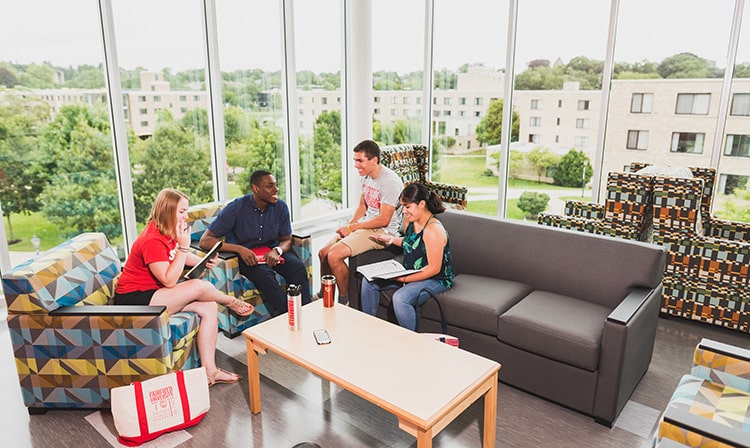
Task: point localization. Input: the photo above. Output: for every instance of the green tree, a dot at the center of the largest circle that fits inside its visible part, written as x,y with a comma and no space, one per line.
82,194
37,77
541,159
490,131
264,150
688,65
7,78
174,157
574,170
327,157
533,203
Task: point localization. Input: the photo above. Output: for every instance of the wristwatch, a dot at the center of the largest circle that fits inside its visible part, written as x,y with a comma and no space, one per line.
279,250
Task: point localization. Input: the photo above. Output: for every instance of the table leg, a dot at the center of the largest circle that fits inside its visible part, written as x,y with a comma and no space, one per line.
424,438
253,377
490,414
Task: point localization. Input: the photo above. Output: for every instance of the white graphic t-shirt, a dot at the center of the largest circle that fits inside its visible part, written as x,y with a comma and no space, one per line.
385,189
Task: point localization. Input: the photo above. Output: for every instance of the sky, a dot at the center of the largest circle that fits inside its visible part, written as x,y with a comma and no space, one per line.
160,33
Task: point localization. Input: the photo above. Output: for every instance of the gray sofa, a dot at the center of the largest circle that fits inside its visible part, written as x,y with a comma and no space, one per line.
570,316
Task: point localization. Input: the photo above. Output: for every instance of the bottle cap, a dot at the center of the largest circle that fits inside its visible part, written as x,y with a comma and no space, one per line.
293,290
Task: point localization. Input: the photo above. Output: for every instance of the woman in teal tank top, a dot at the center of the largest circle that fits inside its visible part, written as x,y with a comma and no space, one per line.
426,248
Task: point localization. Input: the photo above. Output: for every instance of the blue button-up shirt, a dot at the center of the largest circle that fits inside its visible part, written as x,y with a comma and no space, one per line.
243,223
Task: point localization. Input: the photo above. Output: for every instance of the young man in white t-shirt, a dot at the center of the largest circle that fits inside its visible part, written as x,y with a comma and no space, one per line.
378,212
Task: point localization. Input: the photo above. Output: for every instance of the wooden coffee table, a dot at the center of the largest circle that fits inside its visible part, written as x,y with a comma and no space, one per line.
424,383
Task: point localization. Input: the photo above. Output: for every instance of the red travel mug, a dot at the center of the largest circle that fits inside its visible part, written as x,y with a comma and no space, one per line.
329,286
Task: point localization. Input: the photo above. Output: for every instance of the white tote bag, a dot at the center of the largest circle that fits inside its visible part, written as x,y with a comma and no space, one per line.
144,410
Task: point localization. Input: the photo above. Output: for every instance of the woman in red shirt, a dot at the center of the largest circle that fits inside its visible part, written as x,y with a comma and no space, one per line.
152,273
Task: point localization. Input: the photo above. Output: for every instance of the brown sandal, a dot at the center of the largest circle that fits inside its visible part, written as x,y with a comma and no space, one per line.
212,378
240,308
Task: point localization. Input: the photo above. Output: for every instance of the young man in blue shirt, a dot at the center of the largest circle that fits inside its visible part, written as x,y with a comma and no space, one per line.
256,220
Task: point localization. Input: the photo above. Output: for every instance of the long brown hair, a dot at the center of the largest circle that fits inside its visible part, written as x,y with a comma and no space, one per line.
164,211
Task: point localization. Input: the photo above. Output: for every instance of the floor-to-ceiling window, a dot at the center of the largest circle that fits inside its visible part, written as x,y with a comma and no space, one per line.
469,53
250,58
667,83
57,176
318,49
397,71
560,52
732,197
162,70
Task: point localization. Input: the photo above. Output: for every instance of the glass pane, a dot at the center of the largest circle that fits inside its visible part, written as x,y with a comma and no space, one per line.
56,156
732,197
397,60
559,65
468,84
318,48
680,68
163,75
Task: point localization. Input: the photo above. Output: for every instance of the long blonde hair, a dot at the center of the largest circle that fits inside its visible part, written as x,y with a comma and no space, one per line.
164,211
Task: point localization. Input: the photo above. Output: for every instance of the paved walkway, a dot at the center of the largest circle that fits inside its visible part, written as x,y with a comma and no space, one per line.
556,204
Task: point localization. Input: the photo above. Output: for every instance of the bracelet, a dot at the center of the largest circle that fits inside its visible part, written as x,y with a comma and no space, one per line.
390,241
279,250
349,226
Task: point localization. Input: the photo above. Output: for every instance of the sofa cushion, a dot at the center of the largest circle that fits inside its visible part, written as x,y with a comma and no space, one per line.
557,327
474,302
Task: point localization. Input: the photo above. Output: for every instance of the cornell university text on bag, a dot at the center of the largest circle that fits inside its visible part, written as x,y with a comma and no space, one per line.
144,410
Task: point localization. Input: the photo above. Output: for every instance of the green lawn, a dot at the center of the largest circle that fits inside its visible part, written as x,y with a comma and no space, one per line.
490,208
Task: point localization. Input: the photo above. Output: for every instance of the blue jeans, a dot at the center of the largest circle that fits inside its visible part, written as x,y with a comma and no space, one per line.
406,299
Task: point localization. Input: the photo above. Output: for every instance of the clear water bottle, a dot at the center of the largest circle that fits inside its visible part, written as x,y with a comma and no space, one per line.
294,305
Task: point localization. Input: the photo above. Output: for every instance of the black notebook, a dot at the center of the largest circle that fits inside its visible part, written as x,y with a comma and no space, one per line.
198,269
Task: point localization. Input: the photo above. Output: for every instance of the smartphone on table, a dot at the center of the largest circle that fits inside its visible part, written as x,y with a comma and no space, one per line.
321,337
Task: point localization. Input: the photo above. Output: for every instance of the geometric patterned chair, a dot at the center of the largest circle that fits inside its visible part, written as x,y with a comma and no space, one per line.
711,405
412,163
226,274
705,278
71,346
625,213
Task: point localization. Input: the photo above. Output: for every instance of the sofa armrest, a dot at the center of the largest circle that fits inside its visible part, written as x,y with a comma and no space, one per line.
729,230
109,310
450,194
708,429
626,349
629,305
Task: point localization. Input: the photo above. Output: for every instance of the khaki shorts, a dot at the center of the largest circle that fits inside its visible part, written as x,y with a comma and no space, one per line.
359,241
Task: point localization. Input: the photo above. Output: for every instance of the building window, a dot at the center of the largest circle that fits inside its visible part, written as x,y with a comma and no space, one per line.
535,121
406,112
462,101
641,103
393,112
301,100
446,113
144,124
142,99
324,100
376,111
558,121
406,100
637,140
689,142
157,98
534,138
730,182
536,104
583,104
376,99
183,110
434,100
580,141
196,98
183,97
557,139
559,103
741,104
477,101
737,145
143,111
583,123
461,113
692,103
446,101
419,100
477,114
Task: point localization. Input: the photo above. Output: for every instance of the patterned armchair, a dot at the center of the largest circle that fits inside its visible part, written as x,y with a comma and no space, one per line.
625,213
226,275
711,405
412,163
70,345
705,278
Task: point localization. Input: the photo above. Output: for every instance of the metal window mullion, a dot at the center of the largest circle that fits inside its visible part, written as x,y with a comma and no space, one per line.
215,101
117,124
290,108
507,125
428,78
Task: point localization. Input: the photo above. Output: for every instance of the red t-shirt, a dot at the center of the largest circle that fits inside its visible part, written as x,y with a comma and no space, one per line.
151,246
